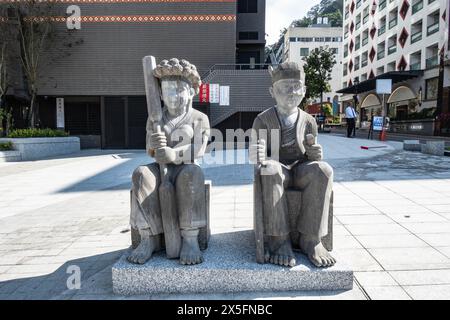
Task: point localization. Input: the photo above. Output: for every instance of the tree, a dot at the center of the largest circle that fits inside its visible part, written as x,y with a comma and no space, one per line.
39,43
318,67
34,27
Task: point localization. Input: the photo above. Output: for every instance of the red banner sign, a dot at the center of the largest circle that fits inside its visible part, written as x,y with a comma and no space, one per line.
204,93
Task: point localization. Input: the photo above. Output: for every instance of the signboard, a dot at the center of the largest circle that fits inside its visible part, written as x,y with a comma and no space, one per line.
377,123
224,95
60,113
384,86
204,93
214,93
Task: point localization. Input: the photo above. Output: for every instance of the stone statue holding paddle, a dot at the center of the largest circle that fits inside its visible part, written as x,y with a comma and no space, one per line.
168,195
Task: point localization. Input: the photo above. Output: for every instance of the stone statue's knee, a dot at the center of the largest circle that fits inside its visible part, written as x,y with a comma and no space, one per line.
143,176
323,168
190,174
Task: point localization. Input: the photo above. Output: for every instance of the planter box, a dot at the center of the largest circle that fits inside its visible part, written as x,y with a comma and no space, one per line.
435,148
10,156
40,148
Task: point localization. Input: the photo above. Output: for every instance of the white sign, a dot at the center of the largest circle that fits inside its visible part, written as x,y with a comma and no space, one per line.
224,95
60,113
384,86
214,93
377,123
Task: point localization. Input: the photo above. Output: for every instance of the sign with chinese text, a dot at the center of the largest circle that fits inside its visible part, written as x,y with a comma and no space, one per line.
204,93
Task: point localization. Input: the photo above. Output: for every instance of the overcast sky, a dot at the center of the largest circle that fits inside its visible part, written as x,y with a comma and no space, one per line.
280,13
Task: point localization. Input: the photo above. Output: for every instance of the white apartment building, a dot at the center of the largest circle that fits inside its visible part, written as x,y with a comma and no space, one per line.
299,42
398,40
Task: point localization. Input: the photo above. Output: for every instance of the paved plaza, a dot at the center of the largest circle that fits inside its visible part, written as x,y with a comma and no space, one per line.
391,223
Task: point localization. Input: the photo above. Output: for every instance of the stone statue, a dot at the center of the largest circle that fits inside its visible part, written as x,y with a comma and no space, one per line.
299,166
171,202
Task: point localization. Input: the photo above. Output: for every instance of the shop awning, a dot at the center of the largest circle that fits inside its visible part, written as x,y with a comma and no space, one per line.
371,84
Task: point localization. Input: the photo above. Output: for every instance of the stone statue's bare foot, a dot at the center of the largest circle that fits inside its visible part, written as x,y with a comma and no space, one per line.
144,250
190,250
316,252
280,252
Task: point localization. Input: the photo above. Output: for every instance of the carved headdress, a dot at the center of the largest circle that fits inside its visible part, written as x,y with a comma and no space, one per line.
175,68
287,70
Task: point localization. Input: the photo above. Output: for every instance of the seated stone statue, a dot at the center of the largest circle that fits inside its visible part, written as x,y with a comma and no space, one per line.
183,138
298,166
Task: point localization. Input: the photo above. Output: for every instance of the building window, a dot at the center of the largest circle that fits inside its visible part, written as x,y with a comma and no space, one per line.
304,52
247,6
431,88
319,39
248,35
292,39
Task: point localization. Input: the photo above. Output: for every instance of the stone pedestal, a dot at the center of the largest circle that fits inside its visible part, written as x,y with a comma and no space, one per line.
230,266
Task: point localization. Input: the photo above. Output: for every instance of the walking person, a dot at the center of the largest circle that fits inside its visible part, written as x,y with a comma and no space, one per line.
350,115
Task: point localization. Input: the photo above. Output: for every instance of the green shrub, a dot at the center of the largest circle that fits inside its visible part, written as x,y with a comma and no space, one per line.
5,146
37,133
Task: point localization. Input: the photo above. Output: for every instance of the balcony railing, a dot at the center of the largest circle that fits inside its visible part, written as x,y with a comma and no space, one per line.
365,41
358,4
347,14
416,37
392,23
364,63
382,5
433,61
392,49
358,25
382,30
357,66
381,54
417,7
366,18
433,28
415,66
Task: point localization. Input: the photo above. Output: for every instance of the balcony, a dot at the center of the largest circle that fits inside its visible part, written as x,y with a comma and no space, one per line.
416,37
382,30
381,55
346,15
392,49
382,5
358,25
431,1
417,7
364,63
392,23
433,28
346,35
345,54
358,4
415,66
432,62
365,41
357,46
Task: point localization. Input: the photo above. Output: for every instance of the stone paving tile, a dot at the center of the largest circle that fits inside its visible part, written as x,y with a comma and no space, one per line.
428,227
391,241
376,229
346,242
421,277
444,250
429,292
387,293
364,219
417,217
375,279
409,258
357,259
437,239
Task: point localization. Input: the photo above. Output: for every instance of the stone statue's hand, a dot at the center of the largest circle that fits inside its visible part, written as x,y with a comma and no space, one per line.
165,155
257,152
314,152
158,140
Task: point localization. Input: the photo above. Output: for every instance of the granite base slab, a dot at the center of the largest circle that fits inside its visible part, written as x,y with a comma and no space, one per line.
230,266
